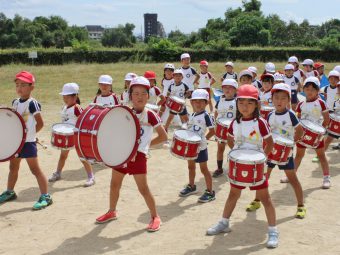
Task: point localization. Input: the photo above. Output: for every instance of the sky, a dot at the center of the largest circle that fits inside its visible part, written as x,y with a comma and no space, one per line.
185,15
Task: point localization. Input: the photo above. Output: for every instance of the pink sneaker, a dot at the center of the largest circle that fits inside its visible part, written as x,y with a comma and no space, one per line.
155,224
110,215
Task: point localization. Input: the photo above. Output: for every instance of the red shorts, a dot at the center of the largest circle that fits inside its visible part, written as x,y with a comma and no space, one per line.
262,186
138,166
321,145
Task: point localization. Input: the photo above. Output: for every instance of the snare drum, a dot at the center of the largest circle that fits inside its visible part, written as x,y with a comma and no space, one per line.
107,134
265,110
313,134
62,136
12,133
185,144
221,129
175,104
246,167
282,150
334,125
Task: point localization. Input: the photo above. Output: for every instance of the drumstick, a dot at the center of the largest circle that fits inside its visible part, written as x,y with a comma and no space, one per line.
44,146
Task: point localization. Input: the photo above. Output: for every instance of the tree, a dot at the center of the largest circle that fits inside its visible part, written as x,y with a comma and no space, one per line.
121,36
252,5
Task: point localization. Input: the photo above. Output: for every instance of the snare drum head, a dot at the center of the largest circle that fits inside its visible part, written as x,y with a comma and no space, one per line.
312,126
178,100
283,140
63,128
117,136
224,121
11,133
247,155
187,135
335,117
267,108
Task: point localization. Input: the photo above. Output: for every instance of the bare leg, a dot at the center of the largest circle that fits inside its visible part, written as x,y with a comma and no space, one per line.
207,175
300,152
234,195
323,160
62,159
192,172
144,190
294,181
14,165
36,171
268,206
116,184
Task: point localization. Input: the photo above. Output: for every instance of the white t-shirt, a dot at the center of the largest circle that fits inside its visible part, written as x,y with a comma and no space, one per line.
293,82
313,73
312,110
199,123
284,123
124,97
154,93
205,80
110,99
332,96
266,98
189,76
70,114
230,76
226,108
299,74
166,84
178,90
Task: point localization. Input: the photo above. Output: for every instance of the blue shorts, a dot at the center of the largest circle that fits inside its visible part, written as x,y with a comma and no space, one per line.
294,99
334,136
289,166
202,156
29,150
183,112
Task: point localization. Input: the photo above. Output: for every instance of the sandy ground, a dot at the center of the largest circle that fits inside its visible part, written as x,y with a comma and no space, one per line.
67,227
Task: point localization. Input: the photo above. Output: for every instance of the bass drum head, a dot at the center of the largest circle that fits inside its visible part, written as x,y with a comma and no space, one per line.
117,136
11,134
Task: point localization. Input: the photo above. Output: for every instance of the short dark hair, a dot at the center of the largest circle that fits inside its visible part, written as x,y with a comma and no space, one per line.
313,85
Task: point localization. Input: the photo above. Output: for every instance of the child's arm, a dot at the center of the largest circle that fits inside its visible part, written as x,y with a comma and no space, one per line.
162,101
40,122
162,136
298,133
197,78
213,81
269,145
210,134
231,141
325,115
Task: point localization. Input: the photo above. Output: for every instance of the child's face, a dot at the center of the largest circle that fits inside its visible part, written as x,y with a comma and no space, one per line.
267,84
69,100
307,68
229,91
198,105
139,97
204,68
245,79
246,107
178,78
127,84
311,92
185,62
333,80
152,82
294,64
280,100
321,70
105,88
289,73
23,89
229,69
168,73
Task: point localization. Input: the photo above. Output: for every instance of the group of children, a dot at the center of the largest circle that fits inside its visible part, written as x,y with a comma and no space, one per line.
241,102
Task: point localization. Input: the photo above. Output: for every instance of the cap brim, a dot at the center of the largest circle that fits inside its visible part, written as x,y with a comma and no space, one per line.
246,97
24,79
198,98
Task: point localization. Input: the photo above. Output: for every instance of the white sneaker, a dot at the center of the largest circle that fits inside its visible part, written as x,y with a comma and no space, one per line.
284,180
273,239
55,177
220,227
326,184
90,182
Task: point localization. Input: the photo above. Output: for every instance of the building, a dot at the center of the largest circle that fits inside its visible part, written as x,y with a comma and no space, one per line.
95,32
150,24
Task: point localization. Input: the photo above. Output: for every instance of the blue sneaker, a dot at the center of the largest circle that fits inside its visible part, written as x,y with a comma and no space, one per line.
7,196
208,196
44,201
188,190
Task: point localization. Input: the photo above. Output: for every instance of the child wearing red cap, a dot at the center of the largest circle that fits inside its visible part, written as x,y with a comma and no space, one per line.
139,95
320,68
105,95
154,92
206,81
30,110
248,131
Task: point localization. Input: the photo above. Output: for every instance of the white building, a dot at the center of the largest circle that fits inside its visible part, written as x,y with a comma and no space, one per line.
95,32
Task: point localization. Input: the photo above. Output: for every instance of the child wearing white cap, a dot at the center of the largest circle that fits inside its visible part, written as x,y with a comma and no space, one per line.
105,95
124,97
257,83
190,76
229,74
246,77
206,81
294,83
298,73
199,122
168,79
308,65
69,115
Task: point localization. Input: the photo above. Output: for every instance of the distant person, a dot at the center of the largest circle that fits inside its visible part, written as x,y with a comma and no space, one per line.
206,81
229,74
190,76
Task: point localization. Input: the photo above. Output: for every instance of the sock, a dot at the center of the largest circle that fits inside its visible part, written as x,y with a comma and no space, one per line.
225,221
219,164
272,229
90,175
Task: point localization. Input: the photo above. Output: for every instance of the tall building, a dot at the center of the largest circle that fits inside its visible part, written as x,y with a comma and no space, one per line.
150,24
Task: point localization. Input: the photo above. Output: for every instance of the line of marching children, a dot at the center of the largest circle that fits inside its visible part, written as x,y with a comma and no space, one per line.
240,103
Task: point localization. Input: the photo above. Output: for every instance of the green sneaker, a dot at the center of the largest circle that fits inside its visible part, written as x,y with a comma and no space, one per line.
44,201
253,206
315,160
7,196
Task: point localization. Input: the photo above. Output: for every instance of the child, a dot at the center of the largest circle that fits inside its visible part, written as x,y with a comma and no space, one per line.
154,91
267,85
320,68
168,79
69,115
294,84
255,81
337,110
298,73
269,68
278,78
246,77
225,108
314,109
124,97
30,110
308,69
105,96
230,74
190,76
206,81
199,122
284,123
139,95
181,90
248,131
331,93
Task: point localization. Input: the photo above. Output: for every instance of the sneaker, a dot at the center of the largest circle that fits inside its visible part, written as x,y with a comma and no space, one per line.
166,145
284,180
155,224
301,212
315,160
90,182
253,206
110,215
220,227
326,184
273,239
217,173
44,201
188,190
55,177
208,196
7,196
336,147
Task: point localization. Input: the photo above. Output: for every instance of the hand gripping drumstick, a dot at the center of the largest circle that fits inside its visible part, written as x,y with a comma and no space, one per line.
44,146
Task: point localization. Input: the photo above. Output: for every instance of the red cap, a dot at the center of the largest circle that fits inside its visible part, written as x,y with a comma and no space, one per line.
25,77
267,75
150,75
204,63
247,91
318,65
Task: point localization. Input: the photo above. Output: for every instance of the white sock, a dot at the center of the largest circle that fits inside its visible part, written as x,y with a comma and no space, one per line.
272,229
225,221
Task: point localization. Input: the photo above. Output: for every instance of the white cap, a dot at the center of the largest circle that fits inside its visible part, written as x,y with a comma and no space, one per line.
169,66
312,79
70,89
337,68
140,80
246,72
289,67
293,59
270,67
283,87
278,77
185,55
308,62
105,79
229,82
334,73
130,76
229,63
200,94
178,71
252,69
